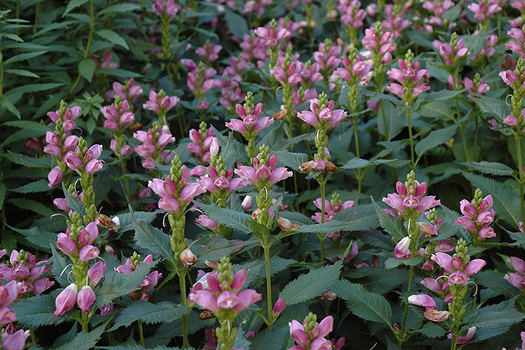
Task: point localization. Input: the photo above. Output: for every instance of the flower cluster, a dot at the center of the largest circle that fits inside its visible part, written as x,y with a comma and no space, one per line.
79,245
12,339
326,117
24,268
129,91
149,282
478,214
312,335
160,104
153,147
118,117
517,279
250,124
201,142
83,161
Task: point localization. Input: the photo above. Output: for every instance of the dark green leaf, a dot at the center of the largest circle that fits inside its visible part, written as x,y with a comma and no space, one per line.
369,306
491,168
73,202
274,336
495,320
494,106
86,68
33,187
84,340
310,285
4,101
237,24
356,163
149,313
61,267
27,161
432,330
435,138
231,218
126,219
30,204
290,160
22,72
118,8
23,57
39,237
391,263
72,5
27,124
34,88
392,225
2,194
113,37
361,217
219,247
37,311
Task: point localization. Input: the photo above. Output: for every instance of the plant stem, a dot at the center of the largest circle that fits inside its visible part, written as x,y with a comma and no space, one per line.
141,333
521,175
403,323
476,138
88,46
184,301
85,322
266,248
409,116
462,134
322,237
454,340
387,137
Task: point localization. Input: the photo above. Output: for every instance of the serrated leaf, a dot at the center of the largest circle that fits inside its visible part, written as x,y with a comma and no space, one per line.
31,162
290,160
149,313
506,200
218,247
73,202
113,37
311,285
494,106
22,72
60,267
351,219
491,280
34,88
231,218
435,138
30,204
492,323
392,225
274,336
2,194
491,168
84,340
27,124
86,68
432,330
369,306
41,238
32,187
152,239
4,101
126,220
72,5
117,284
118,8
37,311
356,163
391,263
23,57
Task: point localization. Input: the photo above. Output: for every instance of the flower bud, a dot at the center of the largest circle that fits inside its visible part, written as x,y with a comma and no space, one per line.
279,306
188,258
86,298
66,300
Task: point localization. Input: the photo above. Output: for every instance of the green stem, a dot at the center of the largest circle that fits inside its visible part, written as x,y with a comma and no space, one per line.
184,300
405,313
85,322
387,137
455,336
88,46
521,175
322,237
409,116
266,248
141,333
462,134
476,138
128,190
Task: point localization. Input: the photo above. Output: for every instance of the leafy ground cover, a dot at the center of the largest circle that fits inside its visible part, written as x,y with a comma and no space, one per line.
262,174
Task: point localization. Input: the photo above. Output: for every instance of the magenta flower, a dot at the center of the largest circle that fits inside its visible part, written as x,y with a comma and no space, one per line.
451,54
166,8
408,80
355,73
484,10
422,300
214,181
465,339
201,141
209,51
129,91
118,119
290,75
322,118
312,335
410,201
379,43
273,37
395,23
402,248
260,175
148,283
54,176
352,15
205,221
477,217
153,147
517,279
331,208
86,298
96,273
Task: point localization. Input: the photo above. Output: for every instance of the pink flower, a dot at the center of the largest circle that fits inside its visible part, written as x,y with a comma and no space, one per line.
272,37
319,118
66,300
15,341
402,249
55,176
205,221
160,103
466,338
86,298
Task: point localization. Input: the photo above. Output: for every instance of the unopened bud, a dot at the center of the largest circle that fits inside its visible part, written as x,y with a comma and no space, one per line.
286,225
247,203
214,147
279,306
188,258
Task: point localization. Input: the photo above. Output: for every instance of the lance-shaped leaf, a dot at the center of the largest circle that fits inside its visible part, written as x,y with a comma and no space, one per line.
84,340
496,319
311,285
37,311
73,202
369,306
231,218
149,313
392,225
358,218
356,163
43,239
435,138
491,168
152,239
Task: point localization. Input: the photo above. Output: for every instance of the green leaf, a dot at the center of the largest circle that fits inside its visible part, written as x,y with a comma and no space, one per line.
27,124
506,200
22,72
23,57
13,37
86,68
237,24
491,280
274,336
369,306
30,204
231,218
73,202
113,37
152,239
32,187
118,8
2,193
491,168
392,225
41,238
34,88
117,284
356,163
72,5
4,101
84,340
491,323
311,285
435,138
391,263
149,313
37,311
432,330
22,159
290,160
126,219
217,247
497,107
60,267
351,219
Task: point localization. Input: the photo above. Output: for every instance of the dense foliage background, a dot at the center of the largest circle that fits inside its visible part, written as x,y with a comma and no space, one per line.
362,162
